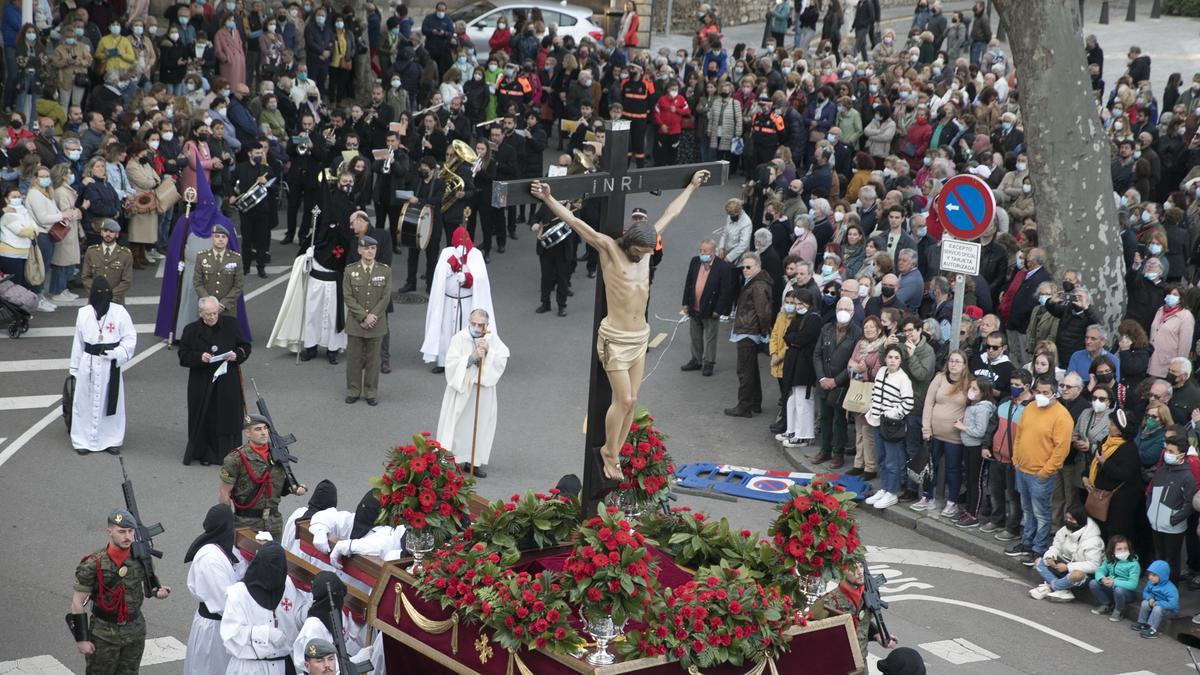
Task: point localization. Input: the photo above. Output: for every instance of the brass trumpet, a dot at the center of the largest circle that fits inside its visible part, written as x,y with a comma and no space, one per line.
462,153
580,163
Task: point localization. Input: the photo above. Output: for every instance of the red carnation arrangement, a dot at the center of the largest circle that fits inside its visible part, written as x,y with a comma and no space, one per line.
814,532
526,610
456,573
721,617
610,572
644,460
421,487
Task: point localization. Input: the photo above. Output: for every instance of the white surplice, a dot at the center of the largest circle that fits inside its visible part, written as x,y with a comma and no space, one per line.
91,428
318,307
329,523
381,540
455,423
209,578
286,332
252,633
450,303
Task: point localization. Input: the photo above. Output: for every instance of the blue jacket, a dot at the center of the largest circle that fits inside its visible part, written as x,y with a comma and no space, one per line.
1164,592
1125,573
436,44
243,122
824,116
721,59
12,24
1080,362
318,39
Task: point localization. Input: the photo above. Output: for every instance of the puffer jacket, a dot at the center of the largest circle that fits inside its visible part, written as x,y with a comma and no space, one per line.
1124,573
1082,550
1165,594
1169,498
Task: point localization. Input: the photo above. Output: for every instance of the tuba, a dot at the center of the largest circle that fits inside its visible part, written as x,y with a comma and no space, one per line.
462,153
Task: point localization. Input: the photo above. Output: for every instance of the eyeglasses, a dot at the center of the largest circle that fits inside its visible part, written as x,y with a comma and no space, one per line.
993,348
747,267
1100,399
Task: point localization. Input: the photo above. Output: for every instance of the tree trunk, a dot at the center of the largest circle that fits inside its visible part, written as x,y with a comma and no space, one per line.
1069,155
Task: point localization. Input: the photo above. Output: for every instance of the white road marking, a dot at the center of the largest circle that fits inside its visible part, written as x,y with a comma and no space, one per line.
36,665
54,414
1148,672
27,402
163,650
30,365
873,664
958,651
142,300
69,331
1012,617
945,561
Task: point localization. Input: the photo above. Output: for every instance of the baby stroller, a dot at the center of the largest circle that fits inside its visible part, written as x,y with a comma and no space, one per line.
17,304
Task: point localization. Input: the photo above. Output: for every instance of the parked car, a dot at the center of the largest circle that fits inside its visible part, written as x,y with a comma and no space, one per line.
481,18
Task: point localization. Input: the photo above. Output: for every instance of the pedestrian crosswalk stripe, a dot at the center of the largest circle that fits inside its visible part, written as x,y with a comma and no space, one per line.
30,365
28,403
873,664
163,650
69,331
36,665
141,300
959,651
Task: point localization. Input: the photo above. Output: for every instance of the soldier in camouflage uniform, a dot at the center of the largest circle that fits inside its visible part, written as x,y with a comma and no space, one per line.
847,598
110,260
253,483
219,272
112,581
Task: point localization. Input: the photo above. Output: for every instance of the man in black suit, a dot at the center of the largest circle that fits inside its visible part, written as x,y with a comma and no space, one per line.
504,156
1024,300
391,174
707,296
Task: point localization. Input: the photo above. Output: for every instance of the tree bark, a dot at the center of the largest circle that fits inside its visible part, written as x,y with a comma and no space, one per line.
1069,156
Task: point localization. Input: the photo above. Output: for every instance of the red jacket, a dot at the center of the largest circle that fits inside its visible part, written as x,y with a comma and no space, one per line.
669,112
499,41
1006,298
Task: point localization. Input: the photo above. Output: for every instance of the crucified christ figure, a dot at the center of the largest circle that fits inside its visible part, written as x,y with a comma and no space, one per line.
623,335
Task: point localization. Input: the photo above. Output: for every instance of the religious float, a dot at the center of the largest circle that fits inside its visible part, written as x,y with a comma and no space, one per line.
524,586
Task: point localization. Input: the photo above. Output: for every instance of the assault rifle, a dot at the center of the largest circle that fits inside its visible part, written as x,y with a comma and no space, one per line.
875,604
345,665
143,549
278,443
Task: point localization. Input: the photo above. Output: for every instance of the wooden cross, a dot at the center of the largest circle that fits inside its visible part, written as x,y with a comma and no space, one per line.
614,182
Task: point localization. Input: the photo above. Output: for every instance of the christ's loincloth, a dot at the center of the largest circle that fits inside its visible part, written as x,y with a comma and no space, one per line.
620,349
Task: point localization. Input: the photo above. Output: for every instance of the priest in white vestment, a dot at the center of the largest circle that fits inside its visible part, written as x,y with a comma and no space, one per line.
263,615
215,566
475,361
105,340
460,285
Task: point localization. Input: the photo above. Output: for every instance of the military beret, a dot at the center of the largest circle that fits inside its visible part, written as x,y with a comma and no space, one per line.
110,225
366,241
318,648
220,229
253,419
121,518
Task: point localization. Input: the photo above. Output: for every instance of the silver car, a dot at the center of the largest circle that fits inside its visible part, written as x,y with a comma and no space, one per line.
481,19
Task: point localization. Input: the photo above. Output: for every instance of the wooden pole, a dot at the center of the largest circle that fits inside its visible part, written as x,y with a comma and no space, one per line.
475,423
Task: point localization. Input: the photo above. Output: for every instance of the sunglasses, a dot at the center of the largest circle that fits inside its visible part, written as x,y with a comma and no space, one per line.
992,348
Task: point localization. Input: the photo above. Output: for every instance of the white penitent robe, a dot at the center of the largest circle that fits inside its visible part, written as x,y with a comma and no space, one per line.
314,628
452,297
286,332
253,634
379,542
91,427
209,578
316,307
456,421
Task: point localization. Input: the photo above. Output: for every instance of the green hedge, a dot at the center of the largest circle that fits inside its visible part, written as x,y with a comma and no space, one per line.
1182,7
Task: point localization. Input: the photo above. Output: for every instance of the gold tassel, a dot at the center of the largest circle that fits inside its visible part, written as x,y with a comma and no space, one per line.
522,669
426,624
756,670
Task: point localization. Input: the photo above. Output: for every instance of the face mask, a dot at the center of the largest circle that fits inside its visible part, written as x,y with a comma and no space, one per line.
799,231
1075,527
724,94
173,36
441,15
70,40
44,182
320,20
1137,154
153,145
1042,400
137,30
785,69
79,31
1169,457
826,270
801,310
1026,189
887,291
168,136
1104,378
1121,555
1099,406
74,154
843,317
831,138
14,202
738,71
1043,299
863,291
1016,392
1151,275
705,258
303,77
1171,300
789,309
874,89
221,111
1068,286
339,25
887,40
926,161
115,30
1154,249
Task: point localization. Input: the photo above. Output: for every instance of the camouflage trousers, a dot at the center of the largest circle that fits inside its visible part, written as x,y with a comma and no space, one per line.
272,523
118,649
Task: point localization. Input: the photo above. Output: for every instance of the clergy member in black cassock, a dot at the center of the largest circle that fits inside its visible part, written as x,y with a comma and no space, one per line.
215,403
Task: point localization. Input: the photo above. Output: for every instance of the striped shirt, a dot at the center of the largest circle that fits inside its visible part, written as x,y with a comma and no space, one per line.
891,395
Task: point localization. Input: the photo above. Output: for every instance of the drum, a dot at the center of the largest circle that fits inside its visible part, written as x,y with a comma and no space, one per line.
554,234
251,198
416,225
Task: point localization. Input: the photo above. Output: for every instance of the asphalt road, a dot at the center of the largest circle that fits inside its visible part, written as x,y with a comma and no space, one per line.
55,502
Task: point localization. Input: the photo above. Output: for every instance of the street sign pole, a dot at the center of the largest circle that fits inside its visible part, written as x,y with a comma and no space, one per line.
960,289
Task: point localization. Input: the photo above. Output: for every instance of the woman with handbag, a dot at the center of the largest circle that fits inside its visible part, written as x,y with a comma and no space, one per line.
45,212
1114,480
891,402
18,241
945,404
143,219
67,253
72,60
864,365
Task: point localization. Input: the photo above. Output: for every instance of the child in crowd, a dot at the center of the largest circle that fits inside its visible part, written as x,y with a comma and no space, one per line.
1071,560
1160,600
1116,580
974,426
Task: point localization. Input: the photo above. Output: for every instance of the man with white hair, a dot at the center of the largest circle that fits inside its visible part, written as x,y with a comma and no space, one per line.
475,361
1185,394
1070,476
212,349
1094,341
